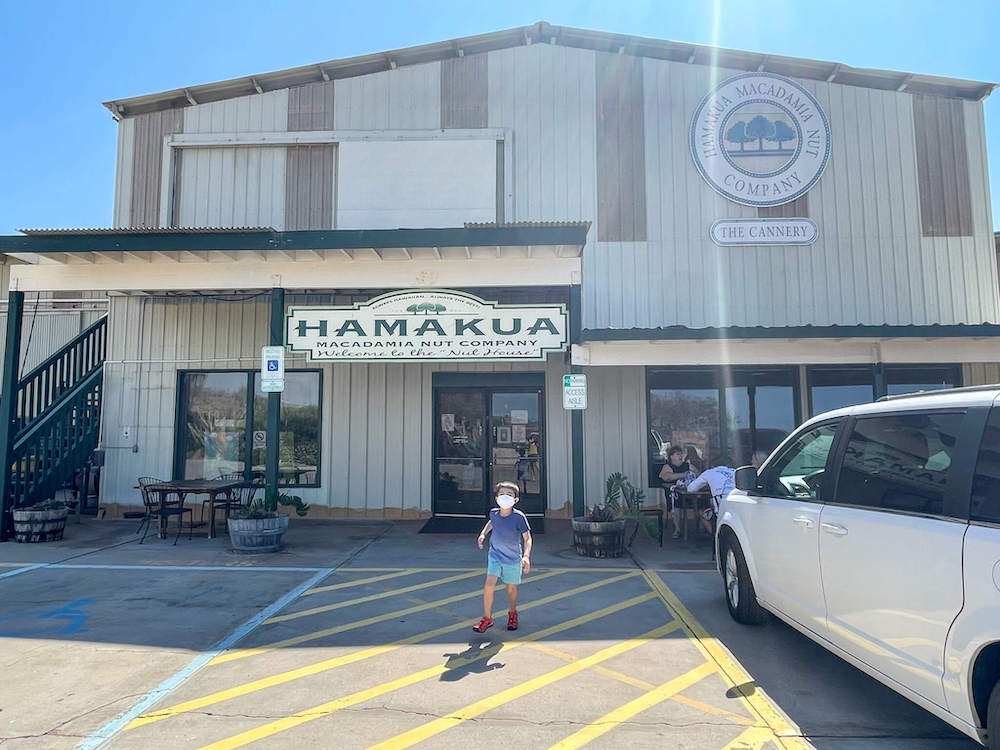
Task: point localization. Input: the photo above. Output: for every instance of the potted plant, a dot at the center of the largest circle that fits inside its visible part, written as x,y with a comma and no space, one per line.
601,533
42,522
259,527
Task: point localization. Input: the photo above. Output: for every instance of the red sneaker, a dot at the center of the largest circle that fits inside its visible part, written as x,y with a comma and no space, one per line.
480,627
512,621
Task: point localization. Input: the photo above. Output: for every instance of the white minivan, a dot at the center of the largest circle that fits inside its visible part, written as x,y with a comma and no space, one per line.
875,531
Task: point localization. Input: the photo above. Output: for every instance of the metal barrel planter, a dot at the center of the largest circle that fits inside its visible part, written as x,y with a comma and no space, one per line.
254,535
599,539
32,526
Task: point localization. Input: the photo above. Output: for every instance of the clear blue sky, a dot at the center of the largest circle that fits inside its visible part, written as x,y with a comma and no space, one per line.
61,59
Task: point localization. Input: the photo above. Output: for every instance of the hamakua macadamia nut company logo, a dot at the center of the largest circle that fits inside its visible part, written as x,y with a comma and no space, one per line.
760,139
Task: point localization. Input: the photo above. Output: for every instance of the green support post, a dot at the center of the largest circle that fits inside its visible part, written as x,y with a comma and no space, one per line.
878,376
8,408
277,338
576,418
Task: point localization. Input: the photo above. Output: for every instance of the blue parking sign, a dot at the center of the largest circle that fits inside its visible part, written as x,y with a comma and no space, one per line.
272,365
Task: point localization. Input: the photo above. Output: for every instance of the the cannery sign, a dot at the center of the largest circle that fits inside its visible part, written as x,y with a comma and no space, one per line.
760,139
427,325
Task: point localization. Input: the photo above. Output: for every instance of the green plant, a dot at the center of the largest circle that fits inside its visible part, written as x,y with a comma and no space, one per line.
622,499
261,508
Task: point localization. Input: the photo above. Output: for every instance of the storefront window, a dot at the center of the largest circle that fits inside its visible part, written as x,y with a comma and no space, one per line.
836,387
218,421
901,380
719,415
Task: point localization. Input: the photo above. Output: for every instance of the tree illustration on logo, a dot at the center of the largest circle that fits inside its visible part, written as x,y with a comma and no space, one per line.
782,133
425,307
738,134
760,128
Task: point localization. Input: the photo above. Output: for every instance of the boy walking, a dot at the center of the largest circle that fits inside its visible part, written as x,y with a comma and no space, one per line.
507,560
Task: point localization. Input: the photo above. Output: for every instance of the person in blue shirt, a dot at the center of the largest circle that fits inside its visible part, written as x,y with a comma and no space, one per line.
507,558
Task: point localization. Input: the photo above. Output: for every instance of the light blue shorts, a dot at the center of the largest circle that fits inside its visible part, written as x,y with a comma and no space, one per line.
506,573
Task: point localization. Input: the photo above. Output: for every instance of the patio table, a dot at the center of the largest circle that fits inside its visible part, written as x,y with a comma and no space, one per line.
692,500
183,487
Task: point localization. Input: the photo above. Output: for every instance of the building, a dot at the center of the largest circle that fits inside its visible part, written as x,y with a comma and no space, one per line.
723,242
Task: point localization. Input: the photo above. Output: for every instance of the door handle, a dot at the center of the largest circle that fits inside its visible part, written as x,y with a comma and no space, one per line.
803,521
832,528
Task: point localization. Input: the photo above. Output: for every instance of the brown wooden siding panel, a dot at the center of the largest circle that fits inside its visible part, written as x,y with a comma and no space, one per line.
942,167
621,159
309,170
464,92
796,208
147,164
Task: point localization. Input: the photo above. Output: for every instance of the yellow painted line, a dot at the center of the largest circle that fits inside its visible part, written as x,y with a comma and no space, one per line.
361,581
295,641
623,713
753,738
372,597
325,709
323,666
785,733
453,719
643,685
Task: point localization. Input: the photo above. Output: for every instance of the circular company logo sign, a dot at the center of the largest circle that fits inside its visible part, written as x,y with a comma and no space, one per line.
760,139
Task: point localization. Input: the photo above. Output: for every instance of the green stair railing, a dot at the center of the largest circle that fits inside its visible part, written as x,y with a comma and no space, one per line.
40,390
56,445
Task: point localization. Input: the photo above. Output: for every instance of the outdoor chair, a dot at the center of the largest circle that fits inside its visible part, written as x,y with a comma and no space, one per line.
242,496
154,509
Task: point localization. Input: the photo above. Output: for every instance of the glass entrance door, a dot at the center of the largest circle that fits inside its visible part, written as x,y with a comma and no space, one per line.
485,436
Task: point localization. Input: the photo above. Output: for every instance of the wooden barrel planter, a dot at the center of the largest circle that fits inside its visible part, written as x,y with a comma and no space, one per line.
255,535
599,539
32,526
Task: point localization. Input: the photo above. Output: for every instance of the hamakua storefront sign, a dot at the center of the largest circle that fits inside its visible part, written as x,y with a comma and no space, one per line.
427,325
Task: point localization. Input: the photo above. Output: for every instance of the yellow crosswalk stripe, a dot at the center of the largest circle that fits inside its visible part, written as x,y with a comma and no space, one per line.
453,719
325,709
317,634
339,661
361,581
753,738
623,713
371,597
787,735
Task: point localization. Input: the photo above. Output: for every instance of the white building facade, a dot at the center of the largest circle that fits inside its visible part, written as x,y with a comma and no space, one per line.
735,241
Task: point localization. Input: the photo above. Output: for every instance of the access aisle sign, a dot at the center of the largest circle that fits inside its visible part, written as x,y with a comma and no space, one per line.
272,369
574,391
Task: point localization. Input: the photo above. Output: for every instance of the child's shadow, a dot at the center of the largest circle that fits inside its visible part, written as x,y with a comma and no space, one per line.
473,660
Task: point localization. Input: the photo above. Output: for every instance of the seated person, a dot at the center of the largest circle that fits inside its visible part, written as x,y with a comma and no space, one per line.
674,474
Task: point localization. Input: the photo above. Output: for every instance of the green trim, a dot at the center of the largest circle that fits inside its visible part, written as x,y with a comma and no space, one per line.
99,323
576,418
313,239
487,379
8,408
680,333
272,450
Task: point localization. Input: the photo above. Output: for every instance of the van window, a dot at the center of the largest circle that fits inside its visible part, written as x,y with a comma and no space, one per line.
899,462
799,470
986,482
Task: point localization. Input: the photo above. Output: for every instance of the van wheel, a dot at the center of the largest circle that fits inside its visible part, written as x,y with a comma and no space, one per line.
993,719
740,595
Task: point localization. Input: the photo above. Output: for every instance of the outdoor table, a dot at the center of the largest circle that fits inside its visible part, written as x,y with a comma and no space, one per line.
183,487
691,500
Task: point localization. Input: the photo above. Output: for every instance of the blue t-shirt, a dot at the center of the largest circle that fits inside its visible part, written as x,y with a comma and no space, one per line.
505,541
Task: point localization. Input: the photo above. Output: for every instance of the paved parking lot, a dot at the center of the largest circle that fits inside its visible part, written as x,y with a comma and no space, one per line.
136,647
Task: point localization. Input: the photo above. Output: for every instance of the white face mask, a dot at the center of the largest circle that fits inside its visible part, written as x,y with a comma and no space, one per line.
505,501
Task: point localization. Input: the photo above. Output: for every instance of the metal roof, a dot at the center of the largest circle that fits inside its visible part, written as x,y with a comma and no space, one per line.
139,230
543,32
683,333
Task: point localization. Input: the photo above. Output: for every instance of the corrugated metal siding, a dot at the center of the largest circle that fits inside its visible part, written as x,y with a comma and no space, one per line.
377,418
242,186
545,95
465,92
797,207
123,173
980,373
870,264
310,170
401,99
621,160
147,164
942,166
614,425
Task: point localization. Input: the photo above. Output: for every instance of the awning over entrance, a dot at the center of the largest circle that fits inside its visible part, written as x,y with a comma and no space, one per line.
247,258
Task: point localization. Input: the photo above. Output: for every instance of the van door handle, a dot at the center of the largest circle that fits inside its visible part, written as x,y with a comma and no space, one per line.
832,528
803,521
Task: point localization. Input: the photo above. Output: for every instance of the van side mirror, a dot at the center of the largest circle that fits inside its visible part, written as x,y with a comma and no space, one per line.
746,478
